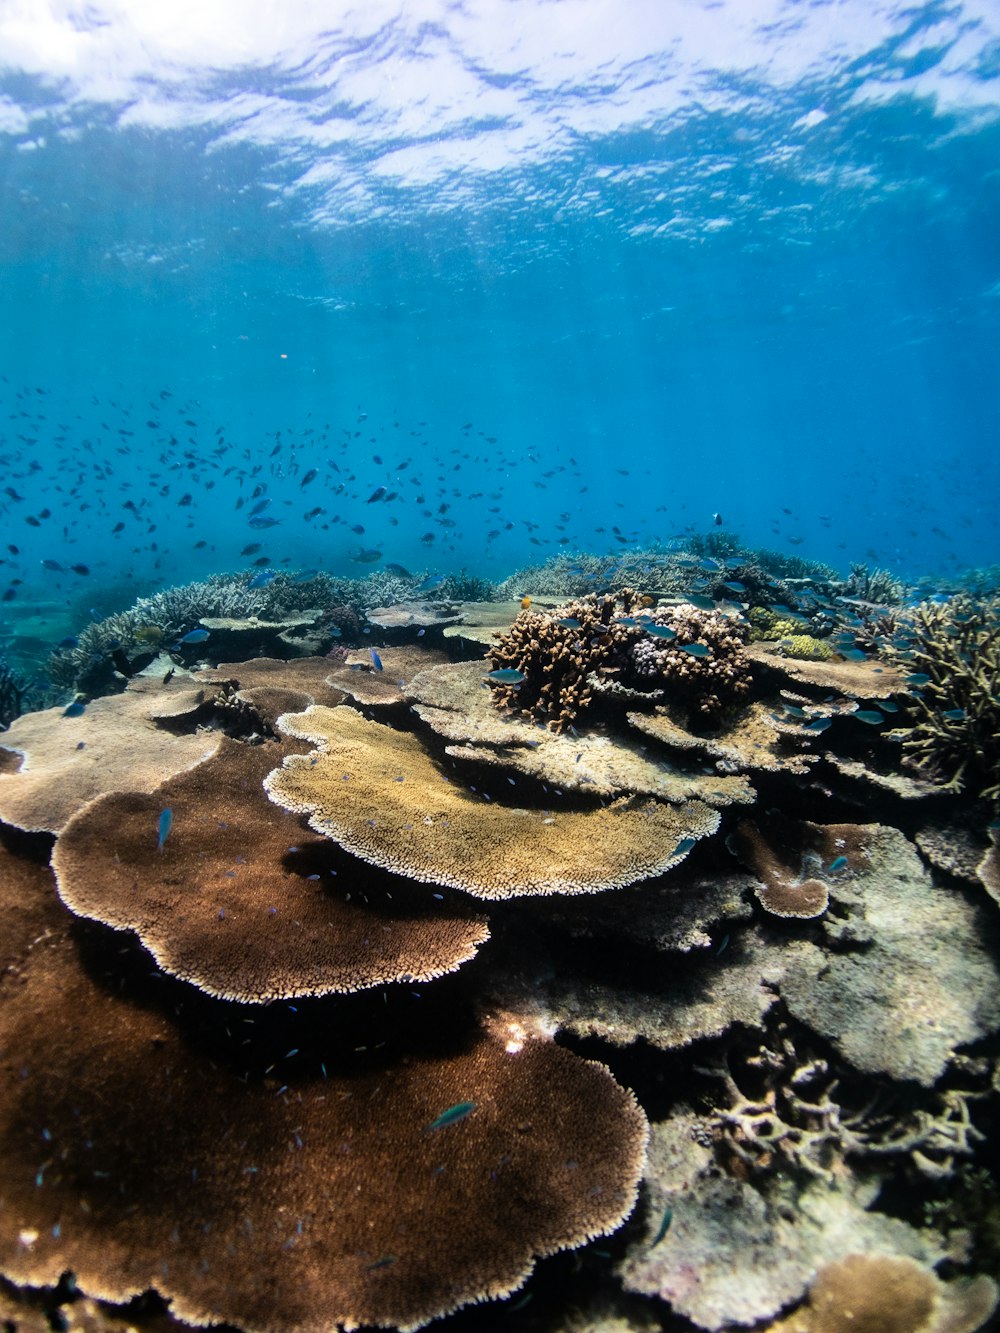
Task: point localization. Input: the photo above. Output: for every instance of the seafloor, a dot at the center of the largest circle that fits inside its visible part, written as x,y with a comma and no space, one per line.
368,942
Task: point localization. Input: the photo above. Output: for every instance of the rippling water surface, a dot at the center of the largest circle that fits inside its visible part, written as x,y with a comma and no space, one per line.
582,266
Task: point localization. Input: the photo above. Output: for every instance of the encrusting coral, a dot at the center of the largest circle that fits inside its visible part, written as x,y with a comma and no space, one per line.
885,1293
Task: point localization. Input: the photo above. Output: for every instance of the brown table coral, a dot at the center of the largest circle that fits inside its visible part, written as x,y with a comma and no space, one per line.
383,1187
240,900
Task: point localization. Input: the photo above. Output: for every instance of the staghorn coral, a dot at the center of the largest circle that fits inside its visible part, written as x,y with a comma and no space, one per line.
955,737
787,1110
16,695
378,794
875,586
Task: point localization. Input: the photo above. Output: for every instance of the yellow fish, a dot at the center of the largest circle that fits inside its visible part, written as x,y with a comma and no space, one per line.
525,602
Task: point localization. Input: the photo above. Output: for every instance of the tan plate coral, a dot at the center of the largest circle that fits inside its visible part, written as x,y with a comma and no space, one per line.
114,745
378,794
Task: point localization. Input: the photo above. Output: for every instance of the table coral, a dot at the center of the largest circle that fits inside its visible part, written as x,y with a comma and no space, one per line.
239,901
378,794
140,1147
114,744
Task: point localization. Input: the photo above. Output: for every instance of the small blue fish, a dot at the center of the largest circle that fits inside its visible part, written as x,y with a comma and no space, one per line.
869,715
625,620
453,1114
264,522
164,826
75,709
853,655
376,494
918,678
954,714
376,660
430,582
569,622
663,1228
838,863
735,586
506,676
696,649
195,636
888,706
684,846
262,579
794,711
700,601
662,632
818,725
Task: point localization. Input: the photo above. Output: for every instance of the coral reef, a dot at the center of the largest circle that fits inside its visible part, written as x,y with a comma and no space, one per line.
882,1293
113,744
703,687
554,660
327,1188
952,652
740,1249
294,991
237,901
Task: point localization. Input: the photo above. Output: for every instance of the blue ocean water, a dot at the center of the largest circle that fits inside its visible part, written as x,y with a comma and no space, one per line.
545,270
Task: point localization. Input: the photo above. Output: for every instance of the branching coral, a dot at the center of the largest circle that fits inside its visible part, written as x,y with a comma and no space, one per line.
556,654
955,739
13,693
703,669
691,658
875,585
786,1111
